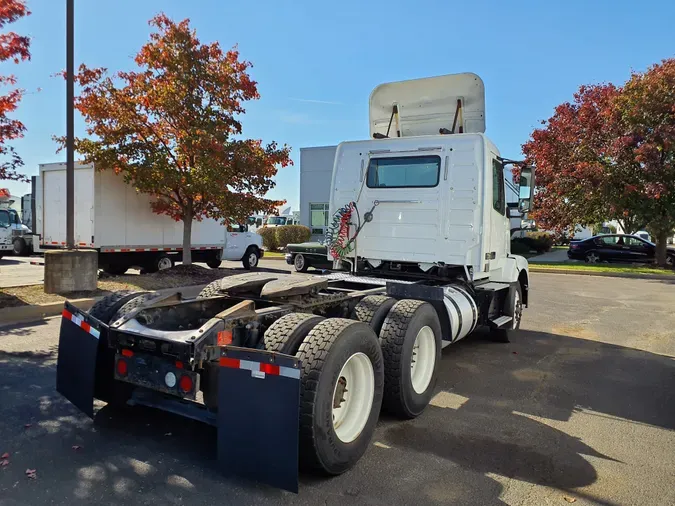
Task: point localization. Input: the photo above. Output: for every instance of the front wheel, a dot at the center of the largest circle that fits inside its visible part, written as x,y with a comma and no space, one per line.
251,258
19,246
513,307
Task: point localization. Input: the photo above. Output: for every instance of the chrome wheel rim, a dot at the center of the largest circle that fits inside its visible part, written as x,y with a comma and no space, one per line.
299,262
252,259
592,258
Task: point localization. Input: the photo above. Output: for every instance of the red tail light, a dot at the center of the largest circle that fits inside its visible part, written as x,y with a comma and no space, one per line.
186,384
122,367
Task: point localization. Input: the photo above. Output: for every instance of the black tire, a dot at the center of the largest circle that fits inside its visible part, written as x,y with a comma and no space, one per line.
247,259
133,304
19,246
287,333
513,309
323,353
210,290
106,387
397,338
115,269
214,263
372,310
300,263
159,262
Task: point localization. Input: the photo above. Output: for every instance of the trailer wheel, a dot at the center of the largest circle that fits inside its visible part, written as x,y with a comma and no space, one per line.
106,387
372,310
340,394
210,290
214,263
287,333
115,269
513,306
411,346
251,257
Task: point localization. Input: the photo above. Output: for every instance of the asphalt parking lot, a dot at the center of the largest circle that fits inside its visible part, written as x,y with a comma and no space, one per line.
580,407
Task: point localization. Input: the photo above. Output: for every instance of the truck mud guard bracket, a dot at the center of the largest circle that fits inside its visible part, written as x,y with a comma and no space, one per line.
258,416
76,363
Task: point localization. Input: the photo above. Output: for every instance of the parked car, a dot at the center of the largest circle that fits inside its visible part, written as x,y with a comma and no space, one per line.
306,255
616,248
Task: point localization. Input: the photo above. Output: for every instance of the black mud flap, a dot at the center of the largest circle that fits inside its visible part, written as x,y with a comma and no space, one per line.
258,416
76,363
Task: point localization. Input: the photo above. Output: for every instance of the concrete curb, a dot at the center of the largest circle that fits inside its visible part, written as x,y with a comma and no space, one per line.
34,312
658,277
273,258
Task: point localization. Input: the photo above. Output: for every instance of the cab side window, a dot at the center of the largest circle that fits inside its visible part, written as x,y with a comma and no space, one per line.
498,200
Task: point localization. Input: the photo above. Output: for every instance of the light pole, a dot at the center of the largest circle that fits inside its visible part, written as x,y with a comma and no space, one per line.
70,125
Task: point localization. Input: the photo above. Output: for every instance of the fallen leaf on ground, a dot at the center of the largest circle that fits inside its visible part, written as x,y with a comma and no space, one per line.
570,499
76,447
515,352
4,462
4,456
168,434
28,426
31,473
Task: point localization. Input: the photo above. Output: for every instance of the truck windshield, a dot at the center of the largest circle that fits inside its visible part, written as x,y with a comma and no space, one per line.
404,172
276,220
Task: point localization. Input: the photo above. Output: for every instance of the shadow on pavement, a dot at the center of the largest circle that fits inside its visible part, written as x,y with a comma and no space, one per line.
9,261
140,455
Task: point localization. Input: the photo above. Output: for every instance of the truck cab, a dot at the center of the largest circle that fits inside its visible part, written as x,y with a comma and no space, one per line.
15,237
428,187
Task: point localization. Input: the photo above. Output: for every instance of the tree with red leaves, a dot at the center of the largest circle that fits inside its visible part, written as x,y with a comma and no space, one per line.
646,112
13,47
608,155
171,129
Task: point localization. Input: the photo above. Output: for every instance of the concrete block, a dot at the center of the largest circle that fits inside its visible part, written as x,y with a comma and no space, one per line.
71,270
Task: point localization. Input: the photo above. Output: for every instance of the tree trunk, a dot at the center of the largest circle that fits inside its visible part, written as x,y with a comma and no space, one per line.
187,236
661,247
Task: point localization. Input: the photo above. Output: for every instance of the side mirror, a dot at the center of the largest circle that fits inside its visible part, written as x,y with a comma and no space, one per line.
526,189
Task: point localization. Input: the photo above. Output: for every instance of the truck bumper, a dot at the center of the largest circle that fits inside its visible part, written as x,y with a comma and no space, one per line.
246,430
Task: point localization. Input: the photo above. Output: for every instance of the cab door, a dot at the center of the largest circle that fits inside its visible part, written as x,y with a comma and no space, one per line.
236,240
499,226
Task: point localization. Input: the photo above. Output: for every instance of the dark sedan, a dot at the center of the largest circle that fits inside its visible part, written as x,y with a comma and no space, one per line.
615,248
306,255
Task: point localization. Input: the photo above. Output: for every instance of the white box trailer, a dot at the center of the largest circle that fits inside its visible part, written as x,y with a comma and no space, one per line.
115,219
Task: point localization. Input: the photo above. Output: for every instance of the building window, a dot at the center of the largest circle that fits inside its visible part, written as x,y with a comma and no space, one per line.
498,200
318,218
404,172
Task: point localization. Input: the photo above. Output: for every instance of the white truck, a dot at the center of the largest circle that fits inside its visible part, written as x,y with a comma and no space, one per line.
117,221
15,237
296,368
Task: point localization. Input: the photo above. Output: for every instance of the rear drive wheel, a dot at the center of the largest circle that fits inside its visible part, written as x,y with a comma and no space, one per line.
134,304
513,306
210,290
159,262
300,263
287,333
251,258
411,346
106,387
372,310
592,257
340,394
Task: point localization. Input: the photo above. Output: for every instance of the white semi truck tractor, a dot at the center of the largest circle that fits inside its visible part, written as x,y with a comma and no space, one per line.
294,370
